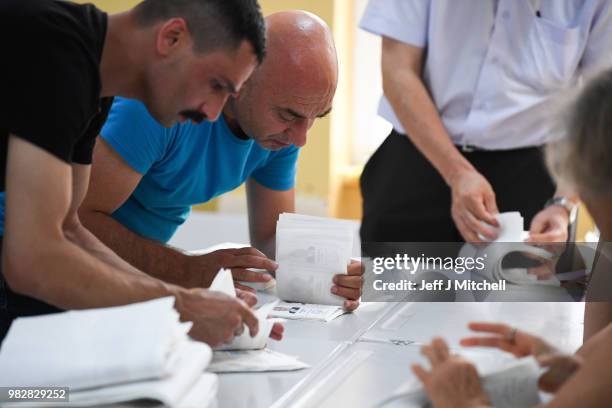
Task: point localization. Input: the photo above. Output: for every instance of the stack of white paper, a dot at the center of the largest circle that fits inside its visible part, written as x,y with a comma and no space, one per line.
253,361
109,355
310,251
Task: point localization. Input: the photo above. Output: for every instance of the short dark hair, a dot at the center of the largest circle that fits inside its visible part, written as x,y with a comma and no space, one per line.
214,24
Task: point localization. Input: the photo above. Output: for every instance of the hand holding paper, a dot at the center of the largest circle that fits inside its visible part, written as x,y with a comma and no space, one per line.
313,254
224,283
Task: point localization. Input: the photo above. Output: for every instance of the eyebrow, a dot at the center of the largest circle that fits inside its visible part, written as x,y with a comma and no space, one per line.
300,116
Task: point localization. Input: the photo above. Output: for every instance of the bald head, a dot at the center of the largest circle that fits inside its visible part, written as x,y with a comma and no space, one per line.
294,85
301,41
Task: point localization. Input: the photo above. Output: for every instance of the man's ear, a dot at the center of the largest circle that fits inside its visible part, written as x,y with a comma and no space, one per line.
172,35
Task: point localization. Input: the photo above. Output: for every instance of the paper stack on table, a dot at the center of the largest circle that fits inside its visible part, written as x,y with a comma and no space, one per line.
248,354
253,361
310,251
110,355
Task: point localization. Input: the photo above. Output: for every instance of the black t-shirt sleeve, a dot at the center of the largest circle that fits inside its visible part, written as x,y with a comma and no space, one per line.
52,94
83,150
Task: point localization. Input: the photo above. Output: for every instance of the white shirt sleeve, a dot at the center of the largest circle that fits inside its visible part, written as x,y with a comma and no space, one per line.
401,20
597,55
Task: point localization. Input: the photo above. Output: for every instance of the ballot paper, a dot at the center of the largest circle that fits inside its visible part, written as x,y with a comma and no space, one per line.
310,251
305,311
513,385
253,361
110,355
224,283
510,239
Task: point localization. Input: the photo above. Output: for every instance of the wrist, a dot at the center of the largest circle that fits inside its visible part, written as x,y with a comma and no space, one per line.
456,172
568,206
192,272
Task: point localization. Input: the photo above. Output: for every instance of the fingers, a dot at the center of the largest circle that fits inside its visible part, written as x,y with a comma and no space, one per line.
349,286
477,209
253,261
436,352
467,234
239,330
498,328
349,281
247,297
494,342
350,305
244,275
347,293
440,349
277,332
244,288
478,227
249,318
355,268
245,258
555,235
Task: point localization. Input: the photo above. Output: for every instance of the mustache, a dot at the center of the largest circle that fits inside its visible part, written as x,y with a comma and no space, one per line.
193,115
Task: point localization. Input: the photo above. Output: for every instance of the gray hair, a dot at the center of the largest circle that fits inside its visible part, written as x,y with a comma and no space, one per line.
583,159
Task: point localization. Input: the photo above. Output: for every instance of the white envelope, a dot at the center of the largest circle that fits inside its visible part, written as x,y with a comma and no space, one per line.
224,283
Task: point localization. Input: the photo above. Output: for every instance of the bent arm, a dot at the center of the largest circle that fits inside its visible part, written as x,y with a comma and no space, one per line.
112,182
40,258
402,66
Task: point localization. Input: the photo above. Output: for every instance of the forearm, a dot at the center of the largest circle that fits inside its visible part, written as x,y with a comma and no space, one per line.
154,258
66,276
597,316
83,238
418,114
267,245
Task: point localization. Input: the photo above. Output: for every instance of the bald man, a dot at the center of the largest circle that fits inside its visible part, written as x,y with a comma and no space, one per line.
146,177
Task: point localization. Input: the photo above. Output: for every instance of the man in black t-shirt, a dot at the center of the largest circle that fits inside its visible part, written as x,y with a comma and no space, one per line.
62,63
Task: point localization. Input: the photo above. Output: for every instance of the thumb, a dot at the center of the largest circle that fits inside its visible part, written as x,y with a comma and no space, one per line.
538,225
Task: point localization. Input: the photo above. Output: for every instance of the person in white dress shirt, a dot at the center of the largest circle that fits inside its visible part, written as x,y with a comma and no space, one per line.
472,91
582,160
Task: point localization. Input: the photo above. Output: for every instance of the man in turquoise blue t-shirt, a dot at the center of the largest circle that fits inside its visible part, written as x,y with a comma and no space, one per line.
146,177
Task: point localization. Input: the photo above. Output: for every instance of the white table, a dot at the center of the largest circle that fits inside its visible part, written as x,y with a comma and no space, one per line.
359,358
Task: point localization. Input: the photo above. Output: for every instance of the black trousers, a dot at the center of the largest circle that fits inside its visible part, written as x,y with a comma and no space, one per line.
14,305
406,200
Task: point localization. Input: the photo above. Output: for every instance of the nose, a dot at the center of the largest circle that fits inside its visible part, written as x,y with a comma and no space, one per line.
299,130
212,108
